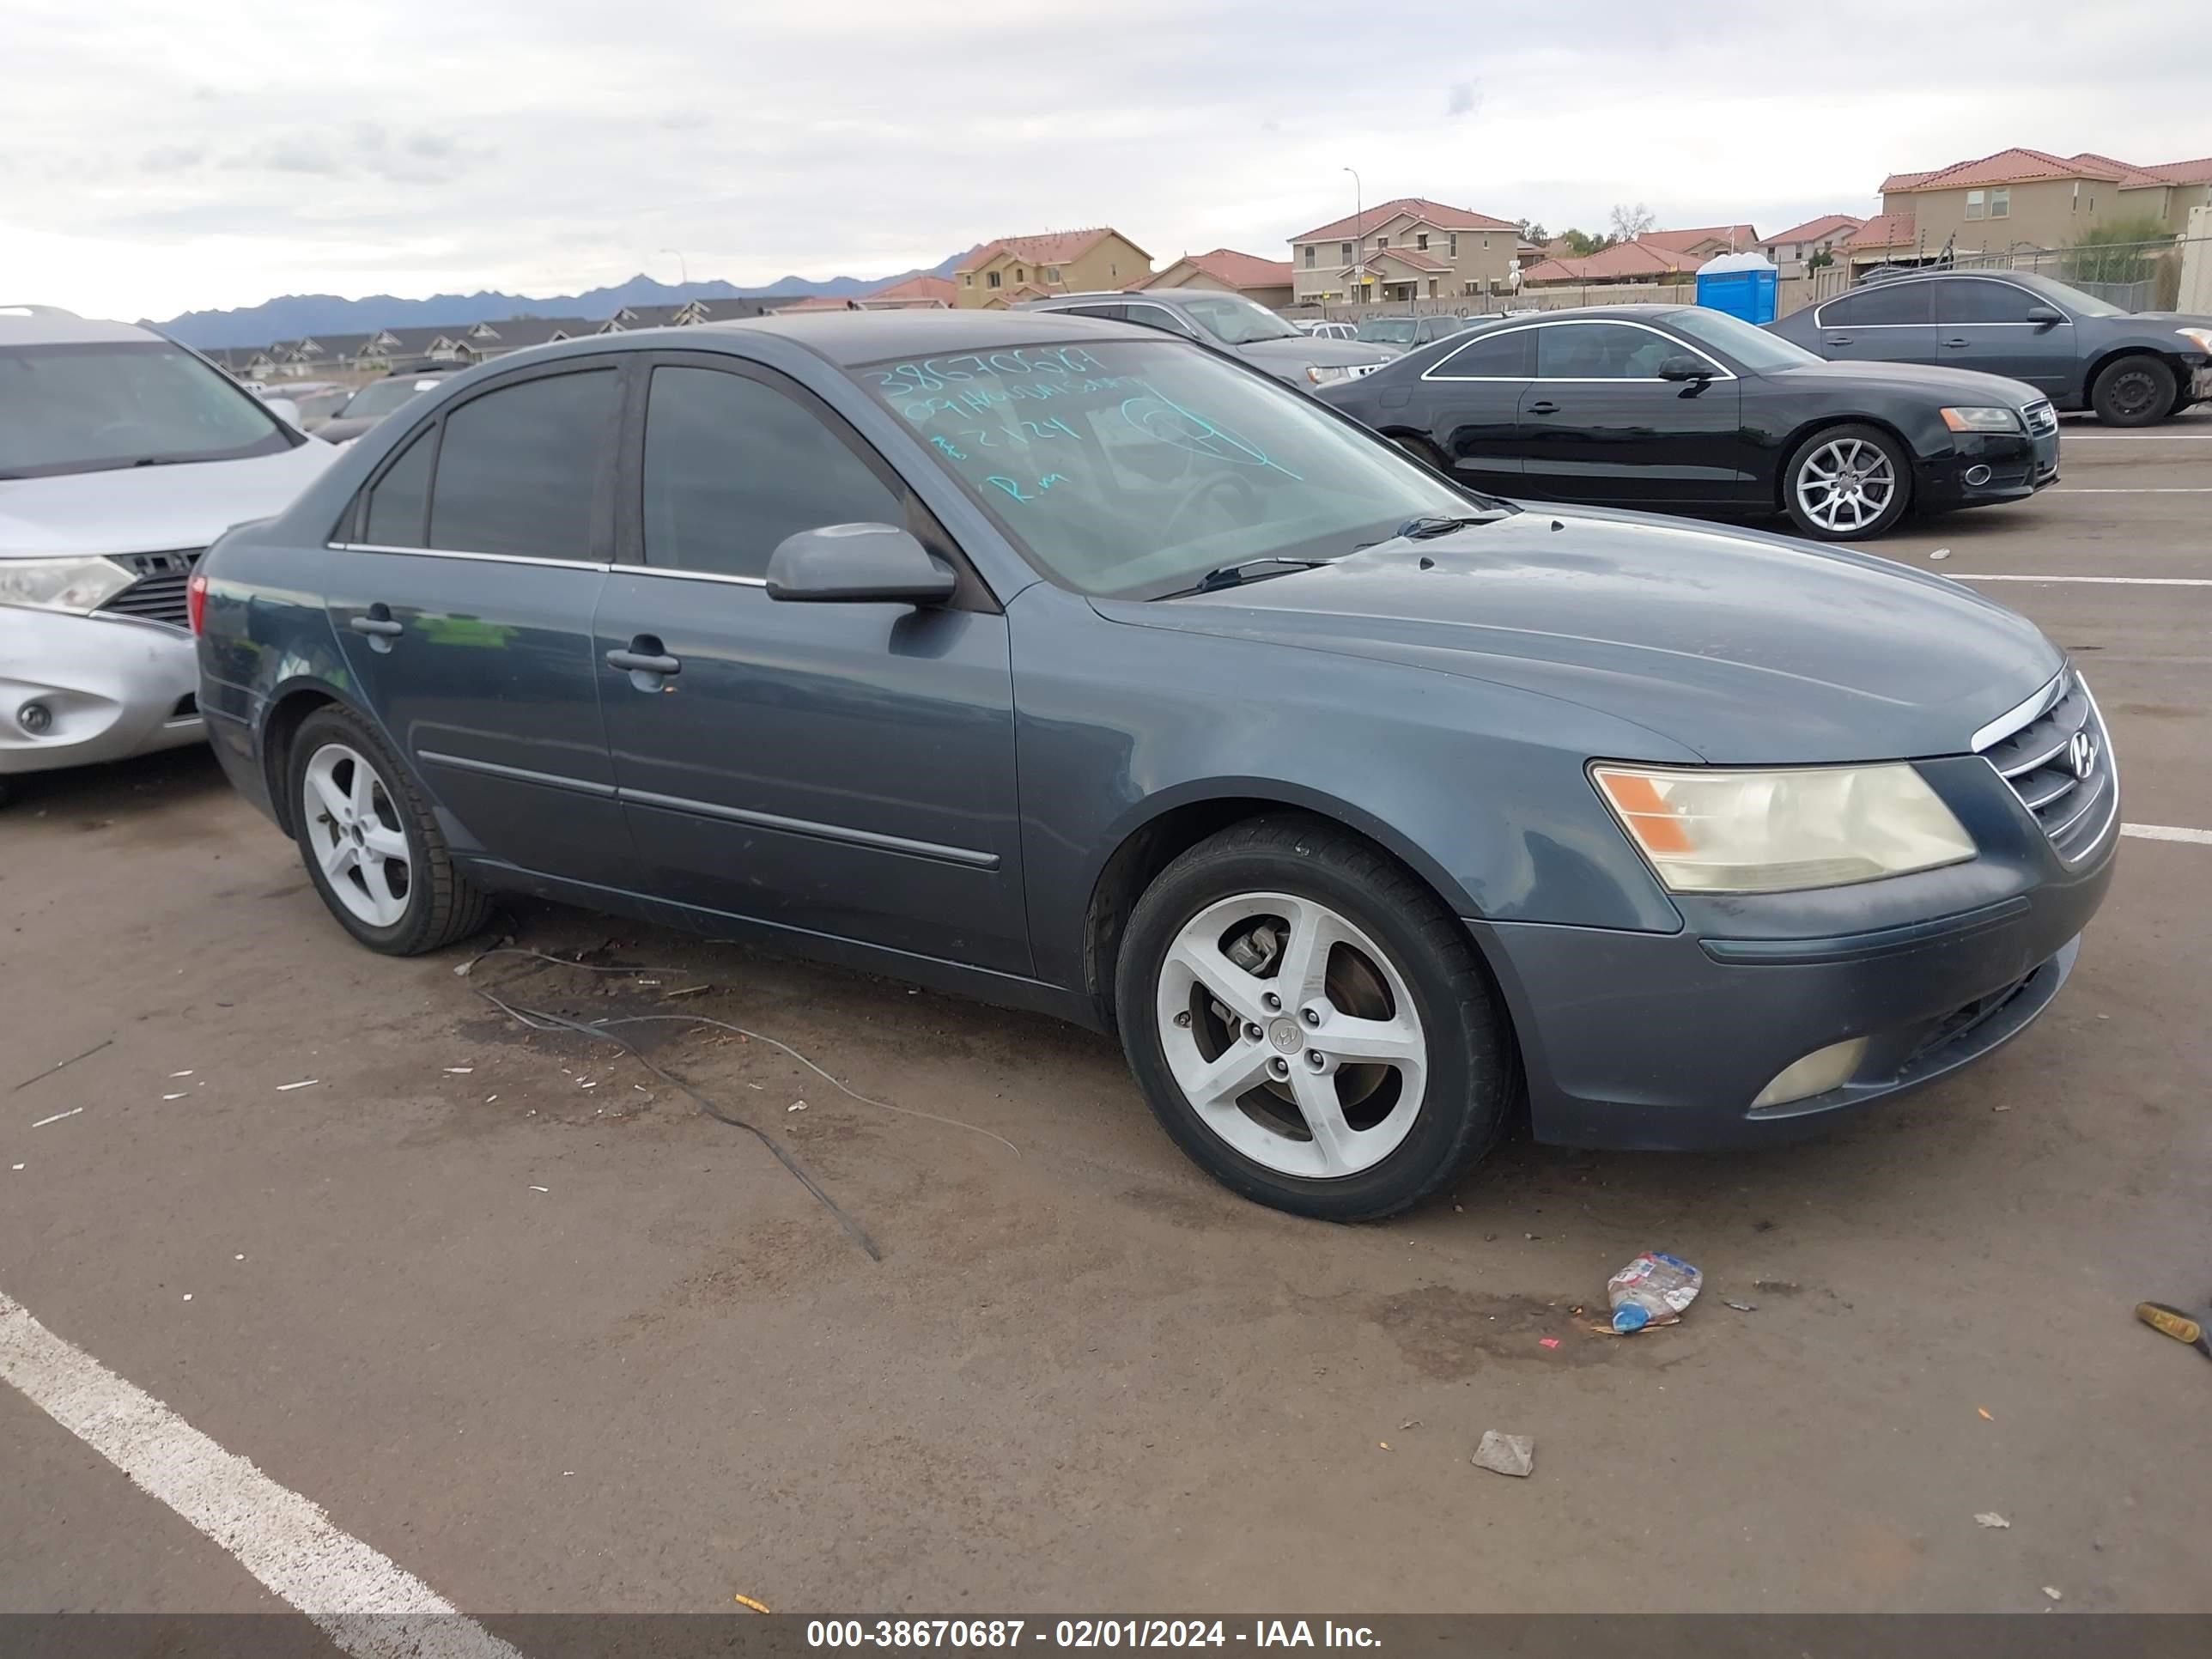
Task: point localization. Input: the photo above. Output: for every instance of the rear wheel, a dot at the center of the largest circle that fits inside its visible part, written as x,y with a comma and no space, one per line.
2133,390
1310,1023
1847,483
370,842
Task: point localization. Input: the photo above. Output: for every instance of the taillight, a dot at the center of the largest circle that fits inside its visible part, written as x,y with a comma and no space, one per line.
196,600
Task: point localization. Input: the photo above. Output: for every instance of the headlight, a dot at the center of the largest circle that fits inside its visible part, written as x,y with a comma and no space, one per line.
1707,830
80,585
2199,337
1981,420
1320,375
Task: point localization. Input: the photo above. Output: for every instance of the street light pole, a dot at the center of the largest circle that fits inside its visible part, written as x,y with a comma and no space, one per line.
683,268
1358,237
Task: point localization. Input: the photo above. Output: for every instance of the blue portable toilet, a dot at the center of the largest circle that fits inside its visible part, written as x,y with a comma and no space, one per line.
1741,284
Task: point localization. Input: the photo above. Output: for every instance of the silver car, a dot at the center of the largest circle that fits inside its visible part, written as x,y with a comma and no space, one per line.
1230,322
121,456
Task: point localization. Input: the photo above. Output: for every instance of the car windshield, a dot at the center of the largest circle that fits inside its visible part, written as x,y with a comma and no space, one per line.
1129,468
382,396
1387,331
1234,320
97,406
2066,295
1753,349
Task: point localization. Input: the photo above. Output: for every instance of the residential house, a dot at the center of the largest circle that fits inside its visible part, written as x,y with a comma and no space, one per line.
1790,251
913,294
1014,267
688,313
495,339
1407,249
243,362
2028,198
1267,281
1885,239
1656,256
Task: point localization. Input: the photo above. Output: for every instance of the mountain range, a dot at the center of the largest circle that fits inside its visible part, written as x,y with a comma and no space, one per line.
291,316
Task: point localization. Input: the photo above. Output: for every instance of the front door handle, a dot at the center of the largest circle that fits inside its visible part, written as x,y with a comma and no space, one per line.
1958,344
646,661
382,627
1836,339
1547,407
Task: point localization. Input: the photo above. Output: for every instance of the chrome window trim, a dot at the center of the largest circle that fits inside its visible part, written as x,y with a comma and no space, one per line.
1721,371
675,574
2026,712
464,553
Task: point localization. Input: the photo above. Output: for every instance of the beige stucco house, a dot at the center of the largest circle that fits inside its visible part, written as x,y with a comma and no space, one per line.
1408,249
2024,198
1014,267
1790,250
1267,281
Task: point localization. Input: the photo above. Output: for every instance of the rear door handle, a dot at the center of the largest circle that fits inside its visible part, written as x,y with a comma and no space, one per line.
1959,343
382,627
1547,407
1837,339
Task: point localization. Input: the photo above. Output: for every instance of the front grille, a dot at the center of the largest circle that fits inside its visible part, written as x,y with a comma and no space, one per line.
2070,785
2042,419
158,595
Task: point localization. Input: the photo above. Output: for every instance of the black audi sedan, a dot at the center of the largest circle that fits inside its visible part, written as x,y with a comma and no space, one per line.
1094,671
1683,409
2132,368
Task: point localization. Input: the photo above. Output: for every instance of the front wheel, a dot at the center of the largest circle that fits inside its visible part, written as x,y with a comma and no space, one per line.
2133,390
1311,1024
1847,483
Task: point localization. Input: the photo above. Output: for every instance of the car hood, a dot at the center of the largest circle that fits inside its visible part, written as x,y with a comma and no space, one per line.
1296,354
151,509
1745,647
1948,385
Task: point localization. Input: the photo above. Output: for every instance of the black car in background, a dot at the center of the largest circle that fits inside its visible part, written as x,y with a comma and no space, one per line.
2082,352
1683,409
1406,333
379,398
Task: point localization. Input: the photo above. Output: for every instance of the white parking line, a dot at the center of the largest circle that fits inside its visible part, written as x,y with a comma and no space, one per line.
2166,832
2142,490
2113,581
370,1607
2135,437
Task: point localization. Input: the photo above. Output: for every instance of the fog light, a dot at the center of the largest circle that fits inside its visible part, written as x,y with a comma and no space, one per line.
1818,1072
1978,475
35,718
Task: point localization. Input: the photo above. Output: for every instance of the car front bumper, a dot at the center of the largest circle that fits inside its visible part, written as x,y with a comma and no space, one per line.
1663,1041
1986,468
111,688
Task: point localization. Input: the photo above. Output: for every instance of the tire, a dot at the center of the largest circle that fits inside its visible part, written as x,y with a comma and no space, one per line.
2137,390
1402,1130
1841,471
393,885
1422,451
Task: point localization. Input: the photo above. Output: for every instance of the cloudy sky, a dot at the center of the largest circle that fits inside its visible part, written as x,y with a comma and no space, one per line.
156,157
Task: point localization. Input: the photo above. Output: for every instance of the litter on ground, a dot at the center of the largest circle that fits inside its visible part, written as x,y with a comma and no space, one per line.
1652,1289
1506,1454
1992,1518
304,1083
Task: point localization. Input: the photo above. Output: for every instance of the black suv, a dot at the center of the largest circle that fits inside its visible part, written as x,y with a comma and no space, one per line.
2132,367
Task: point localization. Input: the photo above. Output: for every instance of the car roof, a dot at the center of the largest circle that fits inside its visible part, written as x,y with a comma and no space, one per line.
35,325
846,338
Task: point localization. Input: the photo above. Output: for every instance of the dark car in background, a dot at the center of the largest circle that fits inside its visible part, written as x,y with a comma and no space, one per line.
1090,670
2132,368
1684,409
379,398
1231,323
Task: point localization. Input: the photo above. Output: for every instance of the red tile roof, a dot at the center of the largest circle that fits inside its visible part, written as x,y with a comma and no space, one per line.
1409,256
1052,247
2198,172
1885,230
1742,238
1623,261
1374,218
1238,271
919,290
1814,229
1904,181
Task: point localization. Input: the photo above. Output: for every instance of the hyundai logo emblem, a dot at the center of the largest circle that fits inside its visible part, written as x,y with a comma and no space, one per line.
2081,754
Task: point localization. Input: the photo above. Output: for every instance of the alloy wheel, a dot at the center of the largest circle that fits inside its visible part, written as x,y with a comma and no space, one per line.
1292,1034
1846,484
354,829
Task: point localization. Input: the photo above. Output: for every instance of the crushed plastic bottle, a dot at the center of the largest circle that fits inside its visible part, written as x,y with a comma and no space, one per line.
1652,1289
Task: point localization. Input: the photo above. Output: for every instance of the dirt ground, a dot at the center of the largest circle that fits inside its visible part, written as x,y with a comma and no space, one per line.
520,1316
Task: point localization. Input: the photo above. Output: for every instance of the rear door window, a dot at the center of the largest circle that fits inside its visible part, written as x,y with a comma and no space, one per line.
399,501
519,467
1510,356
1887,304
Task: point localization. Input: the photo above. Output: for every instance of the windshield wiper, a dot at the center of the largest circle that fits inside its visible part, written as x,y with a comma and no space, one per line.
159,460
1250,570
1431,525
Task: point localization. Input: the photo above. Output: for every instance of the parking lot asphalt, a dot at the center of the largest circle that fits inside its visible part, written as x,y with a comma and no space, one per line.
521,1318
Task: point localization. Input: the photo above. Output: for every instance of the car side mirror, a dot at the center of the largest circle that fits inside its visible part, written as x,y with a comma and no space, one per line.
1685,368
283,409
2044,316
858,564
